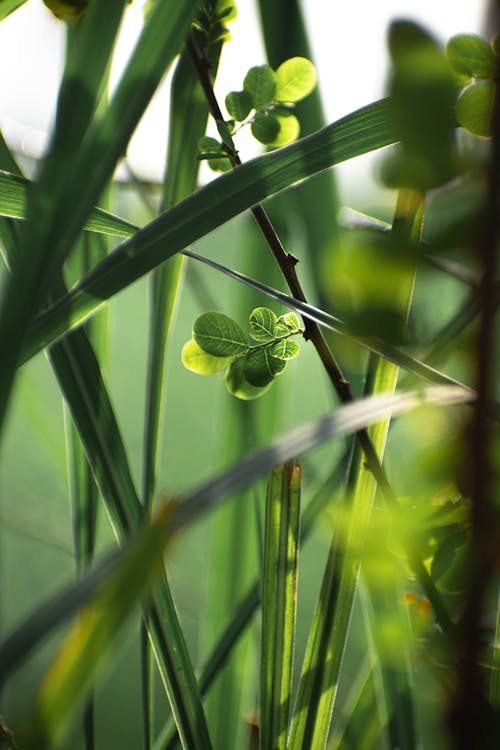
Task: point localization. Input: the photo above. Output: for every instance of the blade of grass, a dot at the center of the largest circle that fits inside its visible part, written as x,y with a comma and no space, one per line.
361,132
248,605
328,636
279,587
53,228
83,388
318,196
188,119
9,6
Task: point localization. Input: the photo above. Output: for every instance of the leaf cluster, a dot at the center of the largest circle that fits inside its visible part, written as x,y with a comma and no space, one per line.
266,100
219,343
475,63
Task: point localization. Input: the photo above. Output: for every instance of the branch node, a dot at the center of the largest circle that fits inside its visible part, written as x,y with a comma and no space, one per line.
292,258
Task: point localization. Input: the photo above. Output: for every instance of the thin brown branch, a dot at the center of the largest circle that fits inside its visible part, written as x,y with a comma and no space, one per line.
287,263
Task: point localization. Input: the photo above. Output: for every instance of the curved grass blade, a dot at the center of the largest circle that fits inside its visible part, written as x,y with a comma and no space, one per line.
9,6
14,191
361,132
188,118
62,203
328,636
279,588
72,672
250,602
84,390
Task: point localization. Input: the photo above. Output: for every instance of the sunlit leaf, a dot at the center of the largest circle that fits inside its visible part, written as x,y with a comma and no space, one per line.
238,385
289,127
260,84
261,323
295,79
472,56
196,360
285,349
219,335
474,108
285,324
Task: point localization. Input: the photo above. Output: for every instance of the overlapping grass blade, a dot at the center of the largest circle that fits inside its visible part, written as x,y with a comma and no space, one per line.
188,116
279,588
91,637
328,636
81,382
318,196
14,195
361,132
58,211
9,6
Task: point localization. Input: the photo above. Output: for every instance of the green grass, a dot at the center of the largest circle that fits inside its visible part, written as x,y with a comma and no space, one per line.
311,568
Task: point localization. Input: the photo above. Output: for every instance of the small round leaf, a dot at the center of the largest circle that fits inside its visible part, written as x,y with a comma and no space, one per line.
196,360
288,322
238,104
260,368
474,108
219,335
260,84
285,349
289,127
208,145
471,55
238,385
295,79
265,128
261,323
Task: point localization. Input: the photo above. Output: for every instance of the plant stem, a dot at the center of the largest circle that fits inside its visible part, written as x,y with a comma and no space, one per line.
312,333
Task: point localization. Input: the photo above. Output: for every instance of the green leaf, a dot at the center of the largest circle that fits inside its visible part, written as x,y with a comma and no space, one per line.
260,368
220,165
295,79
239,104
260,84
495,44
208,145
261,323
285,349
225,135
238,385
279,601
219,335
286,324
265,127
470,55
474,108
226,9
196,360
289,127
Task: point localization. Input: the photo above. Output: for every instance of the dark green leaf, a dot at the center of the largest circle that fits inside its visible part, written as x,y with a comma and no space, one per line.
474,108
238,385
261,323
225,135
219,335
209,145
472,56
289,127
239,104
260,84
265,127
260,367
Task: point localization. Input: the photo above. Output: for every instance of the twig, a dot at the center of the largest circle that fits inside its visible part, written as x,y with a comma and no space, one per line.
287,263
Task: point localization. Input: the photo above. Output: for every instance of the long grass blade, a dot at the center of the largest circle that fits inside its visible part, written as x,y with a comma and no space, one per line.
9,6
84,390
328,636
53,228
363,131
279,587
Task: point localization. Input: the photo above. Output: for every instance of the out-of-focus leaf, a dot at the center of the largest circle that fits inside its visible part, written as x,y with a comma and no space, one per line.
9,6
472,56
196,360
475,106
238,385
